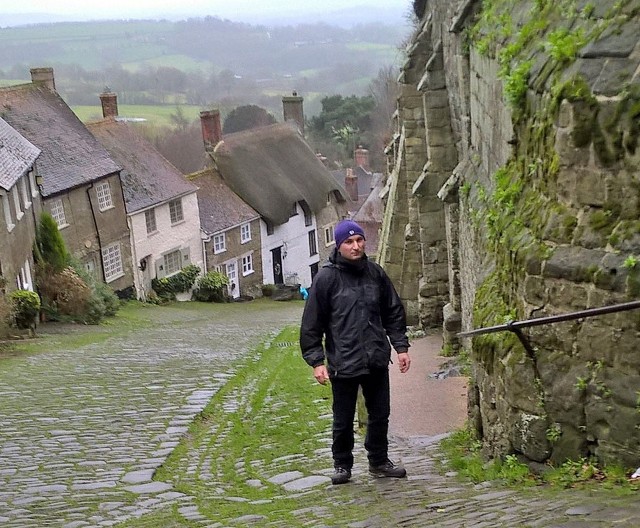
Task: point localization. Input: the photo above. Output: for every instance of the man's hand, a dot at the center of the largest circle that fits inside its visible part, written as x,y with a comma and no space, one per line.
404,361
321,374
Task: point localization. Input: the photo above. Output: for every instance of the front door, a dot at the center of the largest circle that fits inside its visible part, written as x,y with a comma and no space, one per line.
276,257
232,275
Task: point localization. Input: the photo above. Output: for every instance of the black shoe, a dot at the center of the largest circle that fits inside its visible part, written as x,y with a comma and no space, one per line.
387,469
341,475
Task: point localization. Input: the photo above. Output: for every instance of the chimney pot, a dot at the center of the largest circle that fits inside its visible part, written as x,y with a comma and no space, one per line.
44,75
211,128
351,185
362,157
109,101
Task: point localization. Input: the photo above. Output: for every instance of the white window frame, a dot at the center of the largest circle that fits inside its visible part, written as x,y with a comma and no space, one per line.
103,193
245,233
112,262
150,214
57,212
176,214
4,198
219,243
247,265
171,258
329,237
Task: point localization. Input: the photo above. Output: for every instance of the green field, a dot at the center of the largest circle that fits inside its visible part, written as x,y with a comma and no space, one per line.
153,115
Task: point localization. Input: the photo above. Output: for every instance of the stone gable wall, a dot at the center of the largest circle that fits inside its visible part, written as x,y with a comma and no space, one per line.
515,194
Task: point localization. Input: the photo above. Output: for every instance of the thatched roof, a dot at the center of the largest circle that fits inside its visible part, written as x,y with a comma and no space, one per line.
273,167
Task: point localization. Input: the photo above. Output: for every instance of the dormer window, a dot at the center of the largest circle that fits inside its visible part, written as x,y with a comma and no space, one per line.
308,217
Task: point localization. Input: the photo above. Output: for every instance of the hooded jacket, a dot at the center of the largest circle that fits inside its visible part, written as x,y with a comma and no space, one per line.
355,308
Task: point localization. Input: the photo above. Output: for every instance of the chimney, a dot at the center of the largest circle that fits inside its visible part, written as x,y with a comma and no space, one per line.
362,158
109,102
351,185
44,75
293,110
211,128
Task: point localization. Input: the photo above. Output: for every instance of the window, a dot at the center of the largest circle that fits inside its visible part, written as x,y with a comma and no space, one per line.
112,262
313,246
219,243
4,200
328,236
173,262
57,212
103,191
150,220
247,264
175,211
245,233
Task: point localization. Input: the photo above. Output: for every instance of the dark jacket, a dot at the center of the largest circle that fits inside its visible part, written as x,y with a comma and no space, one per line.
354,306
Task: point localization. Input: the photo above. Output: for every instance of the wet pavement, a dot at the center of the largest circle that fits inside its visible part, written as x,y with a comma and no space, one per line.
83,430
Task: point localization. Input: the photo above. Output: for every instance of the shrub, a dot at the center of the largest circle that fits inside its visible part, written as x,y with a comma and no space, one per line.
211,287
167,287
5,316
103,302
49,246
25,307
65,295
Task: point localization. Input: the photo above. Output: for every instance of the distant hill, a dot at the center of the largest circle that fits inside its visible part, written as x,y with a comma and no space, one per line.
204,61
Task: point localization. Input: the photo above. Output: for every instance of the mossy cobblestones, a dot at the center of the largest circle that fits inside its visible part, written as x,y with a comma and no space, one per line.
206,416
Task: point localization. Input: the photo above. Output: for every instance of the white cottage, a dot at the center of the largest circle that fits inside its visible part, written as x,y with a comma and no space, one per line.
162,206
275,171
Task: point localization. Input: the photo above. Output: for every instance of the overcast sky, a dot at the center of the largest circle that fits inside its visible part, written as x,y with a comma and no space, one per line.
232,9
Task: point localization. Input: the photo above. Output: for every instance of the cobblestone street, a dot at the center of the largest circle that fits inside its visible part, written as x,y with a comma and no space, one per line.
83,430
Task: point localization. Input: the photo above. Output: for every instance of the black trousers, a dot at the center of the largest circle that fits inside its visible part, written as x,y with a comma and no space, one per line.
375,389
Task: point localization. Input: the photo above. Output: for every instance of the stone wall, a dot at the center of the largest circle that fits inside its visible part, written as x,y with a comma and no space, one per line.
515,194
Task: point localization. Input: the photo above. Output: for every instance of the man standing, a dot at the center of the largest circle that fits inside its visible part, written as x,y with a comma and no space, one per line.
351,315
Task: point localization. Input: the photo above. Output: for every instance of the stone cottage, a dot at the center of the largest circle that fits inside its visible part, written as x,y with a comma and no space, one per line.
80,182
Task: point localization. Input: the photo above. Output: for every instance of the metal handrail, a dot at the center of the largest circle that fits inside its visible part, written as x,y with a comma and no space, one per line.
515,326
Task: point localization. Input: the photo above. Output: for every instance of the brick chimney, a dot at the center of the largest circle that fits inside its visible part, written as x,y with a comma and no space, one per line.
109,102
362,158
293,110
351,185
211,128
44,75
